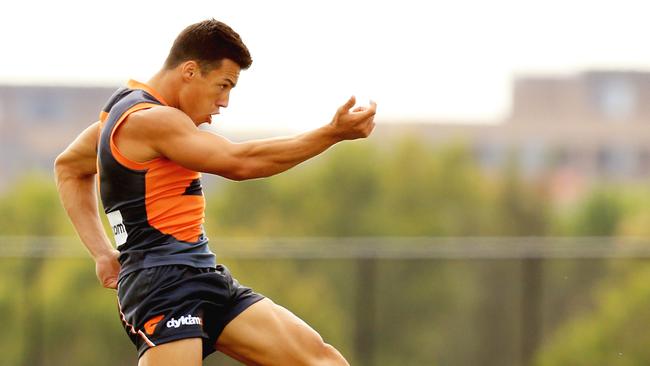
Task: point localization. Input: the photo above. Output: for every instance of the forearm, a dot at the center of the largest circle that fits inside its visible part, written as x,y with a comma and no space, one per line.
267,157
78,196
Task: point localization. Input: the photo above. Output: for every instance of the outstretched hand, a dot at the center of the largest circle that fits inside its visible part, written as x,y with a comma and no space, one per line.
107,269
356,123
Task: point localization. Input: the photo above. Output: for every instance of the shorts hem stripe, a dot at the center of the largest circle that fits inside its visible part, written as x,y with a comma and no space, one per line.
149,342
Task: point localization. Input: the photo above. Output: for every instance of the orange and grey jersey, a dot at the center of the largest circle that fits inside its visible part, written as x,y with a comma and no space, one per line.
155,208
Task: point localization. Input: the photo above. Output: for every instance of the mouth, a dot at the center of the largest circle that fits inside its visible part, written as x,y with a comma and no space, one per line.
214,113
210,115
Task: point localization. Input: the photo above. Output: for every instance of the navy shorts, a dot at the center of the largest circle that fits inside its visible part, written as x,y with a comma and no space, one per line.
167,303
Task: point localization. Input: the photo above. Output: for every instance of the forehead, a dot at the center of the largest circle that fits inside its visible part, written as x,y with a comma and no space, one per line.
228,70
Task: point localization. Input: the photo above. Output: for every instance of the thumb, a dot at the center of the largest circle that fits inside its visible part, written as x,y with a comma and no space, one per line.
349,104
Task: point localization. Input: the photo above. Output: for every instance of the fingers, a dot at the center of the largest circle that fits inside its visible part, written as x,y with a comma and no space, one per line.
373,106
107,269
349,104
371,109
367,112
110,282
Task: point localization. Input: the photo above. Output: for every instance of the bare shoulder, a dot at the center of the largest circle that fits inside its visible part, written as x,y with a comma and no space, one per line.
155,132
159,120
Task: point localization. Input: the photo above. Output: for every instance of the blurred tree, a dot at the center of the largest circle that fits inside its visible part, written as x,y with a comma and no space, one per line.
635,212
429,192
31,207
13,297
522,207
80,323
614,333
599,215
323,197
404,188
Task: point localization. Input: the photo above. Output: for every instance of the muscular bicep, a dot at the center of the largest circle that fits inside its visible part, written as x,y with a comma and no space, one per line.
80,157
175,137
204,152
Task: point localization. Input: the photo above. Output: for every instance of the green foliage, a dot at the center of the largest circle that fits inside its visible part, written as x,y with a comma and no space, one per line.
521,208
608,328
600,214
636,212
331,198
31,207
13,298
427,192
402,188
54,312
614,333
358,190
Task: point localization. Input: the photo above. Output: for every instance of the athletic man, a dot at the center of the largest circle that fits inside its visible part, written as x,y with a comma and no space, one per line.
175,303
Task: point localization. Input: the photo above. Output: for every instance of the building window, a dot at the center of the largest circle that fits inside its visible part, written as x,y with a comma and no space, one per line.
615,98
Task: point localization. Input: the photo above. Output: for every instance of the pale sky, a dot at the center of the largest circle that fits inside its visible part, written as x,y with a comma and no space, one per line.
422,60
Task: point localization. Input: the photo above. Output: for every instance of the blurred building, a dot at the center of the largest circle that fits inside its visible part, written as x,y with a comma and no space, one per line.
573,131
37,123
592,97
576,129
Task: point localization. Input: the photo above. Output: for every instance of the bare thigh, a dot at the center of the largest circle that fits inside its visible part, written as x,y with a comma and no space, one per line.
185,352
268,334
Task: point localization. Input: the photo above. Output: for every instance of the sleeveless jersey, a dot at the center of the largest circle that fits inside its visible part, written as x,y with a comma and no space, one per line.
155,208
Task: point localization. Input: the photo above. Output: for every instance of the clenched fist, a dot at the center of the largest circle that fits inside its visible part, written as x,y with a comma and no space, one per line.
107,269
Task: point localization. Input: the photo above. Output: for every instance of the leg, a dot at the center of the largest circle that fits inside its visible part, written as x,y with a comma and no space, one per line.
185,352
268,334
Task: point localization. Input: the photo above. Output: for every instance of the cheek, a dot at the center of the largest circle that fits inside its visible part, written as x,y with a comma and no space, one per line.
214,99
196,100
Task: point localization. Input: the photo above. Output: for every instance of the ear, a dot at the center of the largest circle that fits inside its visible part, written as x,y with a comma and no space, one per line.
189,70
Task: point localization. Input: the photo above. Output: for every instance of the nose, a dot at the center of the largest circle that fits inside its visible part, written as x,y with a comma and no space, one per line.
222,102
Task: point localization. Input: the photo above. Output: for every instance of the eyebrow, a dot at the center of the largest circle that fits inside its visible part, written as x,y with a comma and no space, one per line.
232,84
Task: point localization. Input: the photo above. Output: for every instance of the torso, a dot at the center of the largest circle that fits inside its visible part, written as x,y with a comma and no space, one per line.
155,206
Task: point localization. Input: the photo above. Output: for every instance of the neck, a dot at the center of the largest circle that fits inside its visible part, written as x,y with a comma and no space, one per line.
165,84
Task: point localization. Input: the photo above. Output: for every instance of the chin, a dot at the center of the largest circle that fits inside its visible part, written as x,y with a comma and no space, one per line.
199,120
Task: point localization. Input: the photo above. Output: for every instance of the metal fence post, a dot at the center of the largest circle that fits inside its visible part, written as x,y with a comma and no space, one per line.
532,296
365,310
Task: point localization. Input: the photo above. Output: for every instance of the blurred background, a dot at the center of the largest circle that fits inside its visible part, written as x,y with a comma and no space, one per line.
498,215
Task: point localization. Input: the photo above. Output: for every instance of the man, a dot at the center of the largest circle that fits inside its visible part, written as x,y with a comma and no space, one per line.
175,303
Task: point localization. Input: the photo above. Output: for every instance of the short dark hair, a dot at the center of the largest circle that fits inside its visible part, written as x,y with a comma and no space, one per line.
208,43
